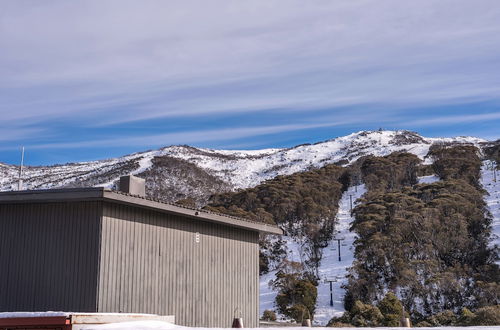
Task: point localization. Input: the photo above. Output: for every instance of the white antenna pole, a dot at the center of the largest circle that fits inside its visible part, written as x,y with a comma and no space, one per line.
20,186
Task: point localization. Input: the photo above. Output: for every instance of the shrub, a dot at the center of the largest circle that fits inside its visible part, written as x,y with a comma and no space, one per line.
489,315
466,317
423,324
365,315
268,315
298,312
337,321
392,309
339,325
445,318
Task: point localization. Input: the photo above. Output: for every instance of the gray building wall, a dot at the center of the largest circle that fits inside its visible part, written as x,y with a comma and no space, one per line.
49,256
152,262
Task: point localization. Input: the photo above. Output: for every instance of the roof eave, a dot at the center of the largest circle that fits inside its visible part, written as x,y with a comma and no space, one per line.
200,215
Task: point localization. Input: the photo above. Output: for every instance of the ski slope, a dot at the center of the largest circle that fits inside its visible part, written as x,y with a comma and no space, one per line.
492,199
330,265
333,269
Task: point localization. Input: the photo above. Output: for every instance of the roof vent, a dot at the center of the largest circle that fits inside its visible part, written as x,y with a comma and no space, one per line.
133,185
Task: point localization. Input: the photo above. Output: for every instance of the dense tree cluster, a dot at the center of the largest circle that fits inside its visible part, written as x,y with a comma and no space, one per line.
304,204
172,179
297,292
428,242
460,162
390,173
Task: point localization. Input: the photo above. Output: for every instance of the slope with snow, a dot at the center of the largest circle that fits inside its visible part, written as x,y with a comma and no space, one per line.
267,294
333,269
248,171
238,168
492,198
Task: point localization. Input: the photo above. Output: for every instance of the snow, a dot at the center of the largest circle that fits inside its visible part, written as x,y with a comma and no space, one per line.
267,294
161,325
146,162
157,325
247,171
239,168
331,267
243,153
428,179
492,199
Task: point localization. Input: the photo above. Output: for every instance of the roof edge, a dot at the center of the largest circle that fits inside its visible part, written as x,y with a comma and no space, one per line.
100,193
198,214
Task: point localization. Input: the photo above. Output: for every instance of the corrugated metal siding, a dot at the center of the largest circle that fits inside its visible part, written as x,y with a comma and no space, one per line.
49,256
151,263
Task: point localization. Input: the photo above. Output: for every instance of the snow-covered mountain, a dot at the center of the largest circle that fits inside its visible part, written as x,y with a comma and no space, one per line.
177,172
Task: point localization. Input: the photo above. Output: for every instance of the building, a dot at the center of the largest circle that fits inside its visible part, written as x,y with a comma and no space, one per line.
98,250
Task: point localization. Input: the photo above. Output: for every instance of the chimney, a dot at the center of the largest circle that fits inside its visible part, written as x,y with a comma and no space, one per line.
133,185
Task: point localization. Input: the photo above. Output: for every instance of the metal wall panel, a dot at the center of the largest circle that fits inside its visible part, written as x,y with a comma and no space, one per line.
151,262
49,256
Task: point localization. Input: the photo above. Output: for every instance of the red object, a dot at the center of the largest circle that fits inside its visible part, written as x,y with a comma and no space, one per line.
33,323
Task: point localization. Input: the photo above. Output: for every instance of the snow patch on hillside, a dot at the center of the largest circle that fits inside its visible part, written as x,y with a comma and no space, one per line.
333,269
245,170
238,168
428,179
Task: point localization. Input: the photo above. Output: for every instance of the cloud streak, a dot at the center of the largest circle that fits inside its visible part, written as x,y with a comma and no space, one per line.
120,63
193,136
450,120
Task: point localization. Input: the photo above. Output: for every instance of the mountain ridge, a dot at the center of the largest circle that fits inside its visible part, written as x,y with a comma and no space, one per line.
229,169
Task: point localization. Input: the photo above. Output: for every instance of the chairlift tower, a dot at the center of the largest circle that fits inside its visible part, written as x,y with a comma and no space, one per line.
331,280
339,239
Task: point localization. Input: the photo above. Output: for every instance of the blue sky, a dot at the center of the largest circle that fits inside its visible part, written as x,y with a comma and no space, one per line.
84,80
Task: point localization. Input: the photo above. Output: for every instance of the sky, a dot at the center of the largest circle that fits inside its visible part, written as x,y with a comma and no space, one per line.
92,79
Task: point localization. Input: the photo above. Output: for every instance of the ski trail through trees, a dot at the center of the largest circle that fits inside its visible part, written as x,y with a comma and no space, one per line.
492,199
333,269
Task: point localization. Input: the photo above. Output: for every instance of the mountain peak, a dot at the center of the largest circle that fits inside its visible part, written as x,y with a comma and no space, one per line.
233,169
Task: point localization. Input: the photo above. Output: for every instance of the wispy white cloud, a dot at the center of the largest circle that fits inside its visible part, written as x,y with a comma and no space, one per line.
192,136
177,58
99,64
10,134
459,119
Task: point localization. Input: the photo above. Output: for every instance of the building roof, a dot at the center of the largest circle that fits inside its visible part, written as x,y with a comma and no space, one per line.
104,194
